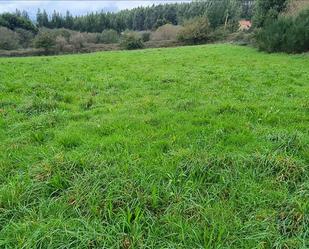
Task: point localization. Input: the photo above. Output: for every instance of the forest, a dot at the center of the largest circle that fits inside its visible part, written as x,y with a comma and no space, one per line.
148,18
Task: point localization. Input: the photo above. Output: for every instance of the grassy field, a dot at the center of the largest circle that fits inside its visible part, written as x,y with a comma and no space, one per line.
189,147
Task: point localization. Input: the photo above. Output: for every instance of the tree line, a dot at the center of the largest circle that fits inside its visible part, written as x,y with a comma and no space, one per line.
218,12
149,18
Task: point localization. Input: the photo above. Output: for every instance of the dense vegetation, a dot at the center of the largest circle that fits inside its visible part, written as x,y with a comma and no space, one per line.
59,34
67,34
278,26
17,20
148,18
134,150
286,34
268,10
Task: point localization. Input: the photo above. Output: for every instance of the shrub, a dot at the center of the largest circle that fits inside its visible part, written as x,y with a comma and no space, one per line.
90,37
78,41
45,40
286,34
195,31
294,7
241,38
61,32
219,34
166,32
109,36
25,37
267,11
146,36
61,43
8,39
131,41
300,36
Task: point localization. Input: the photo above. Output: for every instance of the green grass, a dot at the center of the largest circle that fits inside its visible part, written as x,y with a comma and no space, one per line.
191,147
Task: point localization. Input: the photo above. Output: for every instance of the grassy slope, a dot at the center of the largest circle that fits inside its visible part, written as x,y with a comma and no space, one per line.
192,147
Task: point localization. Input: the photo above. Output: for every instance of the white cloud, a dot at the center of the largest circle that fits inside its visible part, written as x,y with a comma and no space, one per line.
75,7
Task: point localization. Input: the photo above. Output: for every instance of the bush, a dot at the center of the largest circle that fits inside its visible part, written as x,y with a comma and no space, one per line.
45,40
195,31
78,41
294,7
267,10
286,34
109,36
241,38
131,41
61,43
8,39
146,36
219,34
90,37
166,32
25,37
61,32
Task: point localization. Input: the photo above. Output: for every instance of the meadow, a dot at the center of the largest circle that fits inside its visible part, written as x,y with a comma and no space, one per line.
189,147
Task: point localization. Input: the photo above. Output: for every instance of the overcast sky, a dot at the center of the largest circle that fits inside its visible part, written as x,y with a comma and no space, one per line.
75,7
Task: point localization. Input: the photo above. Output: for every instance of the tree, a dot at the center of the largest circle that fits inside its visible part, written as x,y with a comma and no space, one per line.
286,34
25,37
247,8
61,43
69,21
25,15
195,31
45,40
45,20
8,39
14,21
131,41
138,19
109,36
218,12
166,32
56,20
171,14
78,41
39,20
294,7
42,19
160,22
232,14
267,10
